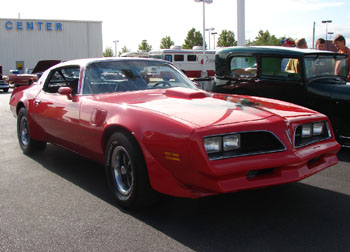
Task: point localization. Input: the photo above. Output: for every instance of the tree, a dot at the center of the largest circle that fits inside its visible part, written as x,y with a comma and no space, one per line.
226,38
144,46
166,43
265,38
108,52
124,50
194,38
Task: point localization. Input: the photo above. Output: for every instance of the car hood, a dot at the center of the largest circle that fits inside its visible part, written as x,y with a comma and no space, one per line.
43,65
196,106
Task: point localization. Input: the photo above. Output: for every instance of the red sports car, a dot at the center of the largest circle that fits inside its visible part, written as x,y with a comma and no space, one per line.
156,132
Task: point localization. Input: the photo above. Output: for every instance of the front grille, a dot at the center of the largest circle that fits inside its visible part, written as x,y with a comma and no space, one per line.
252,143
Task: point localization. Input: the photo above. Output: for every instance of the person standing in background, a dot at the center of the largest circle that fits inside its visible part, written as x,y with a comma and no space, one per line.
339,42
301,43
321,44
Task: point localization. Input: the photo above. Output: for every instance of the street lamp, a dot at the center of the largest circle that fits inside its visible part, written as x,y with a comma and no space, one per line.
204,72
115,46
330,35
209,29
326,22
214,33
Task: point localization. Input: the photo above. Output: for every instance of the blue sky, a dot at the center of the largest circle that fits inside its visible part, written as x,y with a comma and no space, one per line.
131,21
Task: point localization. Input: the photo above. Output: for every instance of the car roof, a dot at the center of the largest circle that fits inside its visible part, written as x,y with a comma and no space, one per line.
85,62
276,50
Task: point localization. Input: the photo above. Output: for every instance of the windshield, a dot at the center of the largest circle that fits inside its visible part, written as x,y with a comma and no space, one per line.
325,65
132,75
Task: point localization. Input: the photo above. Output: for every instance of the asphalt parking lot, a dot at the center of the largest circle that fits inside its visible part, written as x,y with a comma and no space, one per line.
59,201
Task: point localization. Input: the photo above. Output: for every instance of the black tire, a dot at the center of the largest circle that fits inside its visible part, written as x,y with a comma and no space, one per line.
127,173
6,90
27,144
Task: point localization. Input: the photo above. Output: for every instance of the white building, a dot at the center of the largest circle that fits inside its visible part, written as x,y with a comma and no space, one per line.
23,42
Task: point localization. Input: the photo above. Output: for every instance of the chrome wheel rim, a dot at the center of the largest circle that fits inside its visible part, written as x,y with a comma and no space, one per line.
24,132
122,170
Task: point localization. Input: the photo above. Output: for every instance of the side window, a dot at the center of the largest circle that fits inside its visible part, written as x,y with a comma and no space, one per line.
179,57
191,57
169,58
243,66
63,77
280,67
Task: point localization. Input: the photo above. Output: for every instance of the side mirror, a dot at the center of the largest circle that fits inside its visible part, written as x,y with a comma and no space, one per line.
65,91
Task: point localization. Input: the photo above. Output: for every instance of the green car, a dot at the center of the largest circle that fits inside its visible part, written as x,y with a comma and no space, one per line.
311,78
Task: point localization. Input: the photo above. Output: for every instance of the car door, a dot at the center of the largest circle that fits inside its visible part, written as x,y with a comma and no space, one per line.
58,114
281,78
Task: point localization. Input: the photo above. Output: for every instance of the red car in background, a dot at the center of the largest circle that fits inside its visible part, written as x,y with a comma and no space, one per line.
15,80
156,132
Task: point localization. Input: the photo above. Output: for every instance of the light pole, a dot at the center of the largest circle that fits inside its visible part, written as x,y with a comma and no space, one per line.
214,33
115,46
204,72
240,22
209,29
326,22
330,35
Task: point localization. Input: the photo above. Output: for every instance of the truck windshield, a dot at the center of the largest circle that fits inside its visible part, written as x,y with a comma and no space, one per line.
325,65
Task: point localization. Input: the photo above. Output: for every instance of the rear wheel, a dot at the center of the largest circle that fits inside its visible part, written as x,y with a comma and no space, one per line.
27,144
127,173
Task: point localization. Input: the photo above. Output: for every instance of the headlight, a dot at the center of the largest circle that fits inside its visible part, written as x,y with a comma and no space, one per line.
231,142
222,143
309,133
213,144
318,128
312,129
306,130
243,143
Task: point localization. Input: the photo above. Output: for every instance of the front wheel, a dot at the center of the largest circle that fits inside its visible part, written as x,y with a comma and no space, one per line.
127,173
27,144
6,90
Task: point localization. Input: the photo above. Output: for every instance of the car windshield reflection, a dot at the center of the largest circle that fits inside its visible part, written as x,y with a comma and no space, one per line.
123,76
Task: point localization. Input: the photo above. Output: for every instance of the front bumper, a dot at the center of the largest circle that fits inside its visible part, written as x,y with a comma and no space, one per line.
207,178
266,170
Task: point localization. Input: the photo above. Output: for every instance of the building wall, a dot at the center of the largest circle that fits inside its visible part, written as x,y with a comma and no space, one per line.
31,40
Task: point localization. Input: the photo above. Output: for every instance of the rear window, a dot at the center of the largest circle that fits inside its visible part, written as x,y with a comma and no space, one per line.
280,67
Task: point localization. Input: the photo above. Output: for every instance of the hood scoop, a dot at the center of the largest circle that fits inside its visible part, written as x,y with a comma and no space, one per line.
186,93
